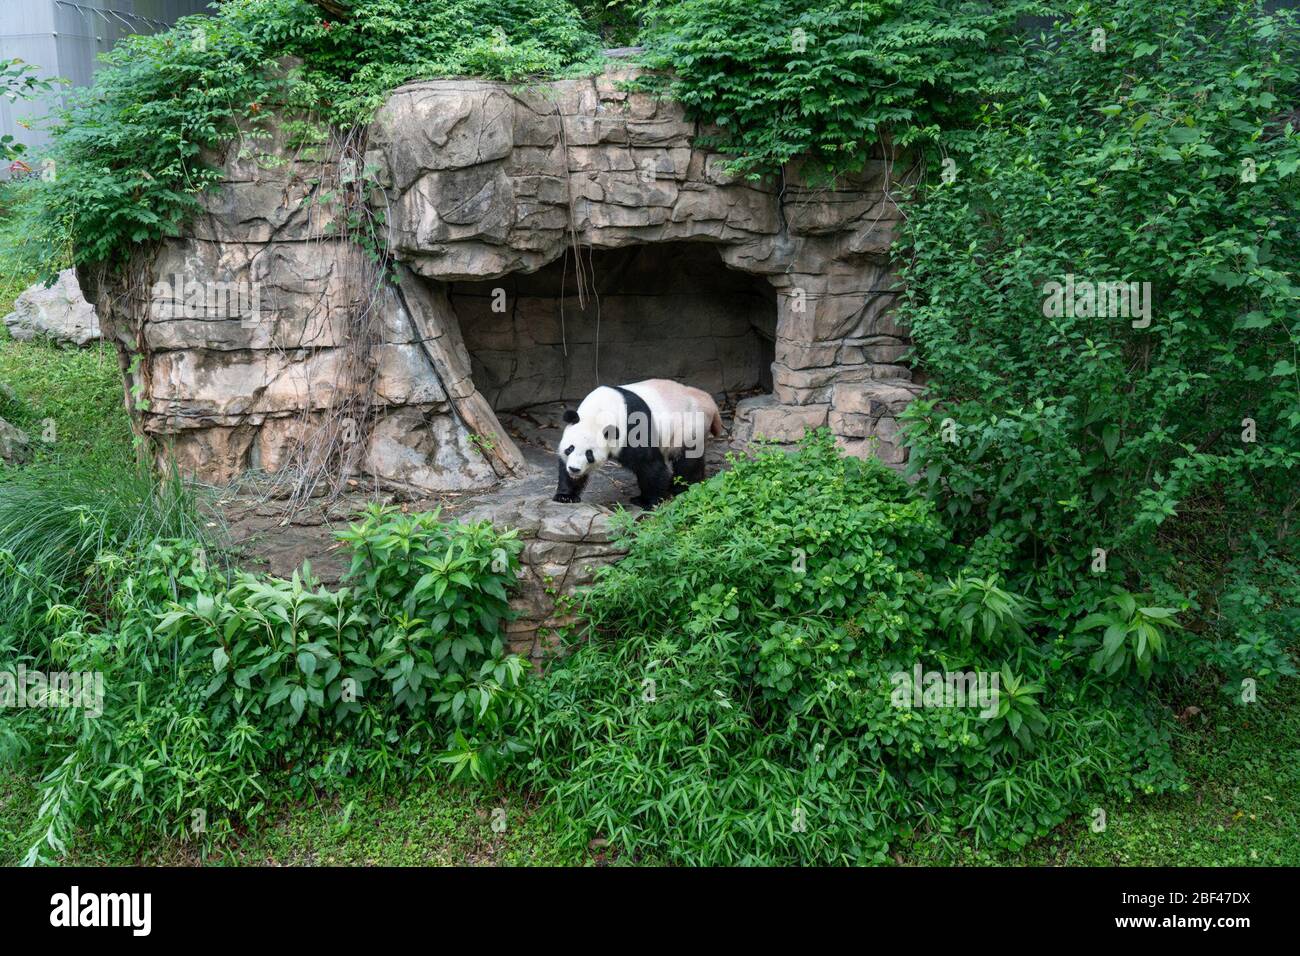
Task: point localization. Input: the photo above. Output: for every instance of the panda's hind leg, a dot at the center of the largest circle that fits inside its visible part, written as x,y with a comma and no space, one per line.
688,470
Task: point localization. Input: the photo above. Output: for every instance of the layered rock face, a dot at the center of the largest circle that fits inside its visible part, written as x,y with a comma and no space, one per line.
499,204
564,548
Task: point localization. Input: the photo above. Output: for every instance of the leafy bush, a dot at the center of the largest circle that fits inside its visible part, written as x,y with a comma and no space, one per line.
1257,623
18,81
224,692
1095,447
1133,633
736,702
828,80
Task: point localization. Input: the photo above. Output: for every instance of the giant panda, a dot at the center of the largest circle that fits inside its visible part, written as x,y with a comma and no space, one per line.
656,429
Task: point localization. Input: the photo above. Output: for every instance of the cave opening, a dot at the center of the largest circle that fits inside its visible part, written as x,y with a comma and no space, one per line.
664,310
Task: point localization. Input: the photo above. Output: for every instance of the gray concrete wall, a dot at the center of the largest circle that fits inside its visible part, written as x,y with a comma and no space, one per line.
64,38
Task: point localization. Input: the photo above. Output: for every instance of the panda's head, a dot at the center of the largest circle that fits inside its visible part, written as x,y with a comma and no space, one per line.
585,443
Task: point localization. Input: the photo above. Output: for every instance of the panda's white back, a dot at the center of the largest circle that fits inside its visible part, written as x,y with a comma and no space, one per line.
672,405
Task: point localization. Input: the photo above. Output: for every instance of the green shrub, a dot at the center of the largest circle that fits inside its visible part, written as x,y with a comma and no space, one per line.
1150,450
1256,624
1134,632
225,692
828,81
84,560
18,81
735,703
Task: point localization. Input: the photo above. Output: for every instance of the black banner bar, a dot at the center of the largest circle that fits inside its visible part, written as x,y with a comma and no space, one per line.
339,906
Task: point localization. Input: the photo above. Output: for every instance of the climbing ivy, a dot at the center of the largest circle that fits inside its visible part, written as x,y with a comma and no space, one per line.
828,80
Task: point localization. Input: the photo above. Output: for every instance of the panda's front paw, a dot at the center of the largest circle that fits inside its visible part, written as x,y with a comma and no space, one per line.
642,502
566,499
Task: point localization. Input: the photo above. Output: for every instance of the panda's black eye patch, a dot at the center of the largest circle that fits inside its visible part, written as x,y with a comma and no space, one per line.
590,456
569,450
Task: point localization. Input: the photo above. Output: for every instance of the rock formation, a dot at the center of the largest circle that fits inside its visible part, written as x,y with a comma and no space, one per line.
242,325
15,446
544,239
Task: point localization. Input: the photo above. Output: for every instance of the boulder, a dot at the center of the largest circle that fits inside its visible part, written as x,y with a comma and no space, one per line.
763,416
15,446
59,313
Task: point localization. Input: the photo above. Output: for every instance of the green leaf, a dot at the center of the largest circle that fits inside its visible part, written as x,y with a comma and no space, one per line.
1110,439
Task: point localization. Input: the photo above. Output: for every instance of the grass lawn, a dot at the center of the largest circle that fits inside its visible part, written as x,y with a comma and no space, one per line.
432,824
79,390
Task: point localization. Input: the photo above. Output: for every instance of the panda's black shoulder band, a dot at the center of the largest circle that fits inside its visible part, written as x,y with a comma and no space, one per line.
635,405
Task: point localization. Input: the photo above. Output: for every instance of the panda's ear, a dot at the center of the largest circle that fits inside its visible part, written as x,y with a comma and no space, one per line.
611,433
570,417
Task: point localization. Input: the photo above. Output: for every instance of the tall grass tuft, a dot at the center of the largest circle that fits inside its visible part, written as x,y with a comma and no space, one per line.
56,520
